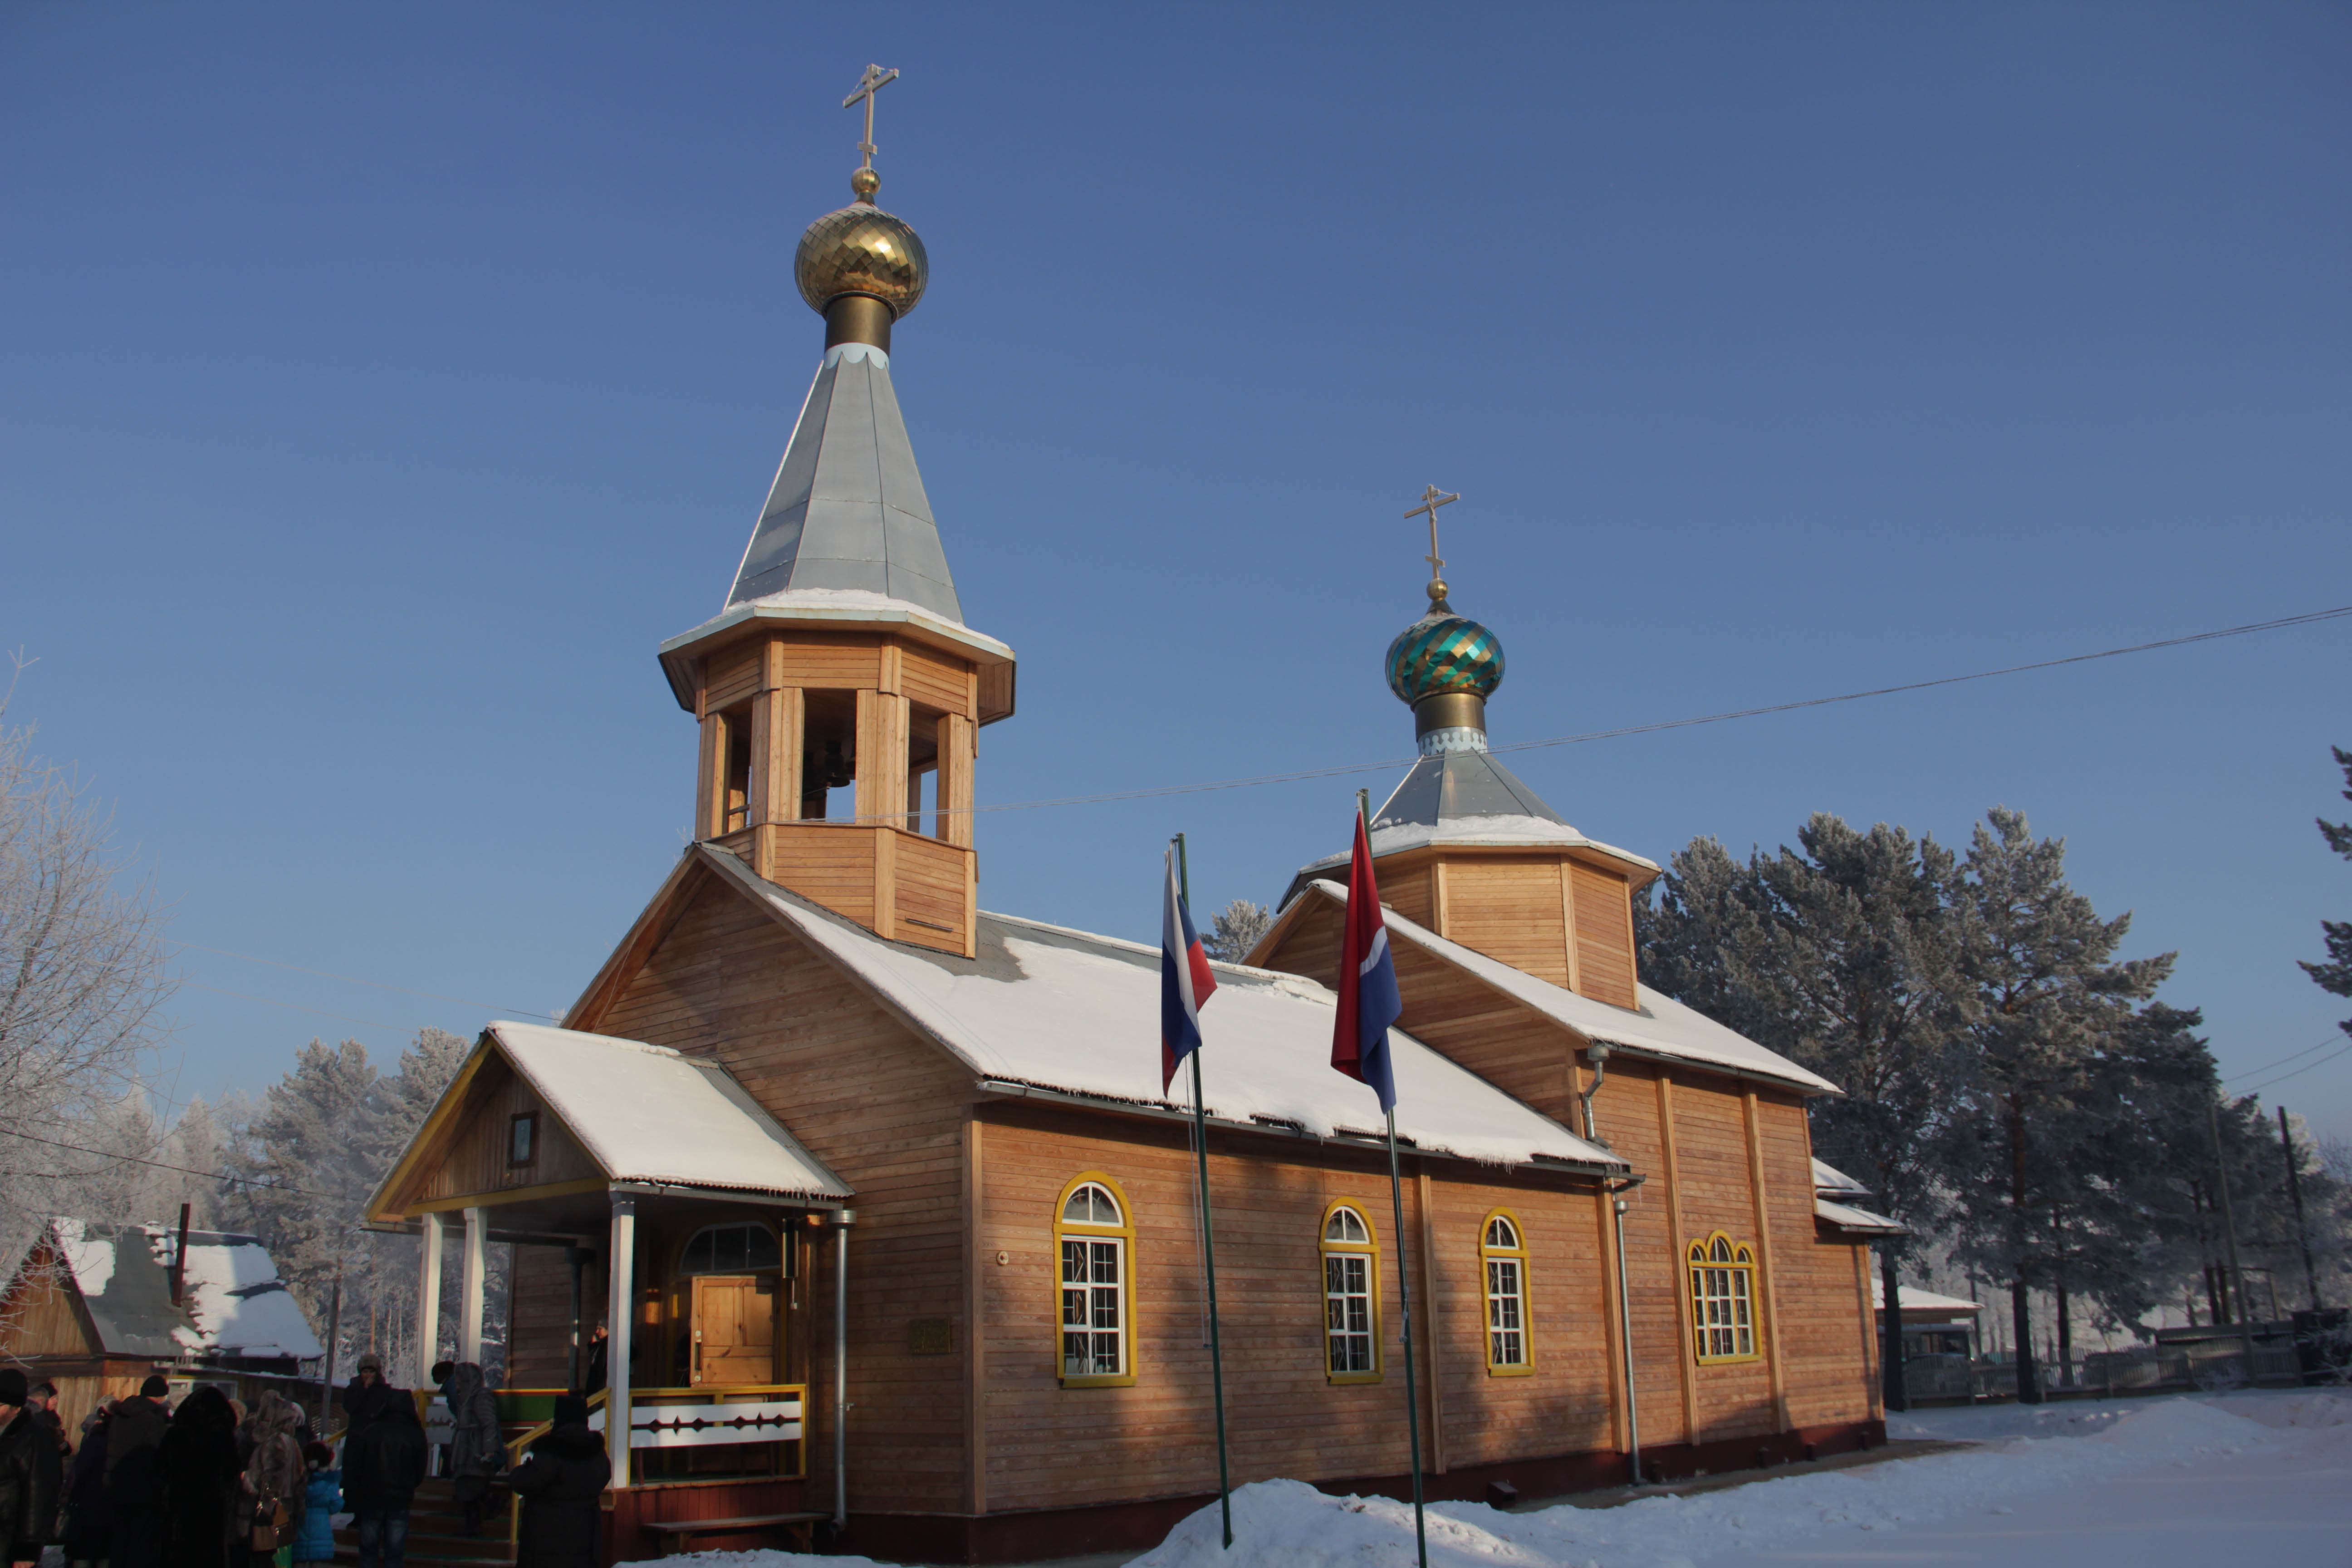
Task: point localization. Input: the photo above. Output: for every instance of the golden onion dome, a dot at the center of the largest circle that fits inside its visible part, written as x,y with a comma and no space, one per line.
861,250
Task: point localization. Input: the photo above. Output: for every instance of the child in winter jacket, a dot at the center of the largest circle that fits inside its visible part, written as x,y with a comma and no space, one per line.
322,1501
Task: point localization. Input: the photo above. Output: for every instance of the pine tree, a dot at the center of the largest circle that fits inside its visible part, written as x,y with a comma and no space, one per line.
2336,974
1239,926
2046,999
1840,955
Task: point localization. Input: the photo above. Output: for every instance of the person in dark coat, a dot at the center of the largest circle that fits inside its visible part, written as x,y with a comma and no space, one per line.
474,1453
30,1474
198,1459
384,1461
560,1480
132,1478
85,1530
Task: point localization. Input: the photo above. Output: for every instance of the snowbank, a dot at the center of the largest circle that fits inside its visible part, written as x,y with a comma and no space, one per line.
2025,1453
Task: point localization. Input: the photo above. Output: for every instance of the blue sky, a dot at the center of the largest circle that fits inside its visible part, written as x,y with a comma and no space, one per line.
384,384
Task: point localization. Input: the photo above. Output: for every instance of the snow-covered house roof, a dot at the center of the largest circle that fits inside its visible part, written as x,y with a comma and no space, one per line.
1916,1301
626,1101
1832,1188
232,1303
1661,1027
1066,1012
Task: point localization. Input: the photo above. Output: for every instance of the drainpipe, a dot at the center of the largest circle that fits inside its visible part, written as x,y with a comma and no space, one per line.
1598,1054
843,1219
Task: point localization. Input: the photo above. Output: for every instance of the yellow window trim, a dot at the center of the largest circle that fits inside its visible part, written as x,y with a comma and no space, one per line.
1527,1310
1742,1262
1371,1249
1125,1230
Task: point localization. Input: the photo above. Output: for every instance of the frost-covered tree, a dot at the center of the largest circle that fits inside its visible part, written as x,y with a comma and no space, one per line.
1235,933
1840,954
2336,974
2047,998
81,976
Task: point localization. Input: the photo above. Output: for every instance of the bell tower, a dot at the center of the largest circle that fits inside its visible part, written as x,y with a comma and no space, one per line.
839,692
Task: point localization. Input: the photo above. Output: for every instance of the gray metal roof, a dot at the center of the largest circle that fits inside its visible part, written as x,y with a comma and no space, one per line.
847,509
1456,784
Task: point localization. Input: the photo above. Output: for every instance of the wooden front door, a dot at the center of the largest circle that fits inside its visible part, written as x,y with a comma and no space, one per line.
735,1329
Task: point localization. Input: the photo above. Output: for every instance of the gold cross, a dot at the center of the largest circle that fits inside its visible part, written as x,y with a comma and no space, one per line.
1431,499
873,81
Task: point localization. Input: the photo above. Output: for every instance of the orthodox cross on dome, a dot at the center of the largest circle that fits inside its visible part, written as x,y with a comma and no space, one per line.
874,79
1431,499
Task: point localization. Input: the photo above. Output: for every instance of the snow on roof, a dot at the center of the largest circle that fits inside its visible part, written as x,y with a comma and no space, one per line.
1065,1010
234,1303
1660,1025
1857,1222
626,1103
1828,1179
1915,1299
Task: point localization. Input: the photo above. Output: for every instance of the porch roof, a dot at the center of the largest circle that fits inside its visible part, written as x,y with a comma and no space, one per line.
648,1113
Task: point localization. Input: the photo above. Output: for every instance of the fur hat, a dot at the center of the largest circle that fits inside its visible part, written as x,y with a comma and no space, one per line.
154,1387
372,1363
11,1386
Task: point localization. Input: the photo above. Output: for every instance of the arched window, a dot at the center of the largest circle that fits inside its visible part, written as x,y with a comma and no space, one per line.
1723,1298
744,1246
1351,1296
1095,1238
1503,1251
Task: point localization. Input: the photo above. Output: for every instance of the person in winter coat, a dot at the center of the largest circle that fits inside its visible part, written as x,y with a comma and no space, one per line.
198,1459
559,1481
276,1477
384,1461
133,1477
367,1393
30,1474
86,1520
322,1498
474,1447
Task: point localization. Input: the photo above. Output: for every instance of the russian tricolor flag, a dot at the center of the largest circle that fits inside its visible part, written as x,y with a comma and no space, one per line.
1368,1000
1185,979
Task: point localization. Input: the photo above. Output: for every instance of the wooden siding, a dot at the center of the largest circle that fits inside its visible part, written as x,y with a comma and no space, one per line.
474,1159
539,1317
731,676
881,1106
936,681
1604,935
37,1315
1287,1418
1510,910
840,662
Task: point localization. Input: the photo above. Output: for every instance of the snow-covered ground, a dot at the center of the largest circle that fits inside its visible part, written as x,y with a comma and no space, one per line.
2181,1482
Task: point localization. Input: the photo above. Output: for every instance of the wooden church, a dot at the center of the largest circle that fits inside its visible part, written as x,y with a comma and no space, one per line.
890,1220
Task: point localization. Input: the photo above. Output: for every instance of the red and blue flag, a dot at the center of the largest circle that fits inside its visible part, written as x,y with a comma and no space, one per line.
1368,1000
1185,979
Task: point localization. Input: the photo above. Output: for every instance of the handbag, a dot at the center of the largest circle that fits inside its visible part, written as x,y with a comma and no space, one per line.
270,1519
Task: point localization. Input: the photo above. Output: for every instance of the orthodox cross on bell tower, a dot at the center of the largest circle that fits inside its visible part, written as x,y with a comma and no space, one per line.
874,79
1431,499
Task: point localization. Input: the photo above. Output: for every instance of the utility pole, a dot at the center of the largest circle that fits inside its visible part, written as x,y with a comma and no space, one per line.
2230,1229
2294,1192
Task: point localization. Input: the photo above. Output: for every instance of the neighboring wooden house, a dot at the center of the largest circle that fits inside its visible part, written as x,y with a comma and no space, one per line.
98,1308
892,1219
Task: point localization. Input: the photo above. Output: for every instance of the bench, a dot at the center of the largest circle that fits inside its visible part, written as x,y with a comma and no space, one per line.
673,1531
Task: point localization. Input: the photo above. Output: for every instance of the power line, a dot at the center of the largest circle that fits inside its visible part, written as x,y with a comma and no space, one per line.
2332,1039
2298,1072
1159,791
167,1165
355,980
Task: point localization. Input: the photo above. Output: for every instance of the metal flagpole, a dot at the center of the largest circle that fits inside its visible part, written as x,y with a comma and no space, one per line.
1404,1290
1208,1243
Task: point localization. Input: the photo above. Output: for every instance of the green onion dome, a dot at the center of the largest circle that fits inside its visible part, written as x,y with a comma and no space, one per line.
1443,652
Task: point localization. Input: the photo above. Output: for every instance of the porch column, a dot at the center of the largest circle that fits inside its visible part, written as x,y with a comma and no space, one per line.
428,1300
476,1285
620,1319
